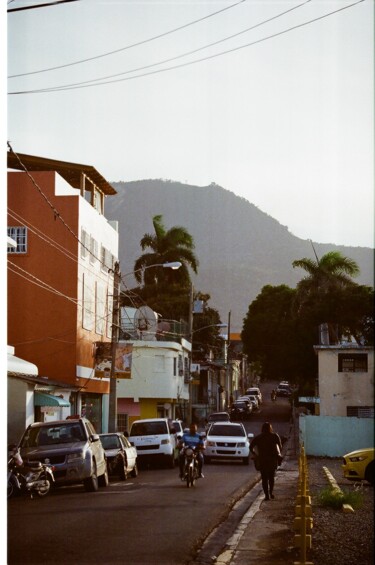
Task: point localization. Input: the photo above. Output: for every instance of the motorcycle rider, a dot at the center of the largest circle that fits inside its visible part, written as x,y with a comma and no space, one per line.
191,439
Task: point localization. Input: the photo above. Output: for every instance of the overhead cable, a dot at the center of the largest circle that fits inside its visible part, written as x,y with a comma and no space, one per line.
209,57
128,46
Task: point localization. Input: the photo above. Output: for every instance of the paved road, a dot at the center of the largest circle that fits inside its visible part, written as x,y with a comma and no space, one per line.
151,519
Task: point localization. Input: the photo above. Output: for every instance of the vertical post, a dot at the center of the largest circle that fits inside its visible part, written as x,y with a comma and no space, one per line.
190,322
228,371
112,412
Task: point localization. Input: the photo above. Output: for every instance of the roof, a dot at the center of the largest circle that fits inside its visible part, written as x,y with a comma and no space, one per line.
71,172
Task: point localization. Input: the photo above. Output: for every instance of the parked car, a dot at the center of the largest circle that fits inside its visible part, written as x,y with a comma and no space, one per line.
359,465
241,410
283,390
72,446
178,427
217,417
228,440
121,456
254,400
154,439
256,392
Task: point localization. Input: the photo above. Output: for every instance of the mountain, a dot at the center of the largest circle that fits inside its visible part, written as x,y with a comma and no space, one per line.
240,248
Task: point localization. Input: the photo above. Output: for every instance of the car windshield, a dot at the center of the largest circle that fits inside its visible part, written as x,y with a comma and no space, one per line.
148,428
223,430
240,404
52,435
110,442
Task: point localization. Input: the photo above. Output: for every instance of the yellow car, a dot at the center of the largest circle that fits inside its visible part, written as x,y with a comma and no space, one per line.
359,465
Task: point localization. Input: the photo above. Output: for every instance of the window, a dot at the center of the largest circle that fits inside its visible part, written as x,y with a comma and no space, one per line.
85,239
19,234
175,366
93,250
353,363
122,422
360,411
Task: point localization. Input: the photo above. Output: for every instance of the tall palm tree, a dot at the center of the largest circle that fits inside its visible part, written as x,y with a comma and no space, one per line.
332,271
176,244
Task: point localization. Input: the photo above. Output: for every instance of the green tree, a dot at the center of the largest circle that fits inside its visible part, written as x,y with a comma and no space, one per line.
175,244
332,271
274,339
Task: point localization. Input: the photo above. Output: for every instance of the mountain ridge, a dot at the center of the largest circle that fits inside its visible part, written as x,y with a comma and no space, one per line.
240,248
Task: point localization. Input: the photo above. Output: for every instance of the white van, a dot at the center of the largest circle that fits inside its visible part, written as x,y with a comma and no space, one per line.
255,391
155,439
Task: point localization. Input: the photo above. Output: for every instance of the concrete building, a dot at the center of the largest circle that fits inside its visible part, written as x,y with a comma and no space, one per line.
60,275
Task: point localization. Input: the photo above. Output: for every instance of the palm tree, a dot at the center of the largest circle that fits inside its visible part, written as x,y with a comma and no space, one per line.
176,244
321,294
331,272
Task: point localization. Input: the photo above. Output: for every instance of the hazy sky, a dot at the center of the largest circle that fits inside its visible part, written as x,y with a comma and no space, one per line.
284,121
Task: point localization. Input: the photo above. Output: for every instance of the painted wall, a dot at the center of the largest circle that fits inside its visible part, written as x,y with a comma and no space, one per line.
339,390
333,436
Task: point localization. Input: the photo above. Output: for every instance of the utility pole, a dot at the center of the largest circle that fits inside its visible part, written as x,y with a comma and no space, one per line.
112,409
190,322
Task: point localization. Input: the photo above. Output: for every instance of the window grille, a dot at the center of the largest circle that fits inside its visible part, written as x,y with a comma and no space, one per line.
19,234
360,411
353,363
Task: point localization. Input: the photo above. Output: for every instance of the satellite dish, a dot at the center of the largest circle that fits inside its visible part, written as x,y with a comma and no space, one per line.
145,322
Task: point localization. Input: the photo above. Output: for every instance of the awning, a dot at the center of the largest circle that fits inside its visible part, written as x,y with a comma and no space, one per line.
43,399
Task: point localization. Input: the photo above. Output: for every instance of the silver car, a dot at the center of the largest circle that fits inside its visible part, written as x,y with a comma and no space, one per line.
227,440
72,446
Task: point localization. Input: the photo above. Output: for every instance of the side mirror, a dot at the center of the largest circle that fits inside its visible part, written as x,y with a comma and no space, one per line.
250,436
94,437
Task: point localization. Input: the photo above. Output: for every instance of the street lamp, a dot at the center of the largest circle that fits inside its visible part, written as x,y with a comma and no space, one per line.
112,408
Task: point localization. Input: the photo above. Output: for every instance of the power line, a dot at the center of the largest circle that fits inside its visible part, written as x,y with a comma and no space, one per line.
128,46
209,57
188,52
55,211
40,5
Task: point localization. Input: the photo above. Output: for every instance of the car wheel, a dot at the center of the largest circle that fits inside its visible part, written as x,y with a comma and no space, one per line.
134,472
245,460
91,484
170,462
207,459
123,470
370,472
103,479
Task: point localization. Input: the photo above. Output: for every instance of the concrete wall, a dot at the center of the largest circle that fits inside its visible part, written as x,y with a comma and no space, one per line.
333,436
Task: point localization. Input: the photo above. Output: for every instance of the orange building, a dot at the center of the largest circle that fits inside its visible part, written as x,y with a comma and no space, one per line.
60,275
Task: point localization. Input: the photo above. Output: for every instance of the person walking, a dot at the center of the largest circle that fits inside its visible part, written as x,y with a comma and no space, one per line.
267,448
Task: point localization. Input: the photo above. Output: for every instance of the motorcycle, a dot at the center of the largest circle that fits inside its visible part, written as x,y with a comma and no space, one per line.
190,466
29,476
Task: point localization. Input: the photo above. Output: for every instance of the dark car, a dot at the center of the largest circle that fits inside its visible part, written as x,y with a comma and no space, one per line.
284,390
121,456
241,410
72,446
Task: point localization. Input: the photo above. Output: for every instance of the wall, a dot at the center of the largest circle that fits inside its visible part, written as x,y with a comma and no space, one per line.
333,436
20,408
339,390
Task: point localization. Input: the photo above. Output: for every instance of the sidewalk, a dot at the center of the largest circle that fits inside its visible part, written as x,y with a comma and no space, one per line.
265,534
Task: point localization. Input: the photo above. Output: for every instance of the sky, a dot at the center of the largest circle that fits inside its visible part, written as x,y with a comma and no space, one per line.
272,100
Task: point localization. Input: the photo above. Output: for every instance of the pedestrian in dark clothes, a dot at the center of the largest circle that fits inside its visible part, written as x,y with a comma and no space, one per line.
267,447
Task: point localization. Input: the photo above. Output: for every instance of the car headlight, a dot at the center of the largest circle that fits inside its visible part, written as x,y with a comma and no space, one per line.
165,441
241,444
73,457
358,458
210,444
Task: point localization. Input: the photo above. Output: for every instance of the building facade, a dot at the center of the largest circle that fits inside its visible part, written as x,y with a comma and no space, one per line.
60,275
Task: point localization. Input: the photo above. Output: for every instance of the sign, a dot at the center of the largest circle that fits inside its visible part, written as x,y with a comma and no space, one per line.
123,360
312,399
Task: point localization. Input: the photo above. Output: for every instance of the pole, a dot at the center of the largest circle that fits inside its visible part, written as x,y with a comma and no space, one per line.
190,322
112,409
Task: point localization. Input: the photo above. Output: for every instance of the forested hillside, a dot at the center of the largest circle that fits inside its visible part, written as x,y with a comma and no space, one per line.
239,247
